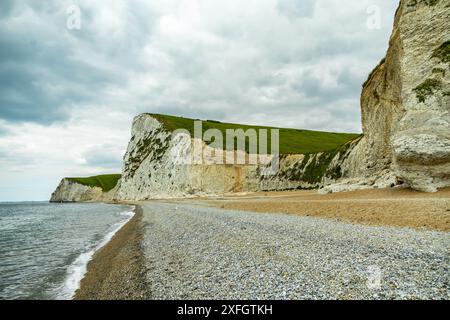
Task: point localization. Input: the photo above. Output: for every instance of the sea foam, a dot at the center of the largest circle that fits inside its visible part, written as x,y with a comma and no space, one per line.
77,270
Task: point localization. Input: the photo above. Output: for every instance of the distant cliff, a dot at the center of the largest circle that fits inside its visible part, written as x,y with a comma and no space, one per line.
92,189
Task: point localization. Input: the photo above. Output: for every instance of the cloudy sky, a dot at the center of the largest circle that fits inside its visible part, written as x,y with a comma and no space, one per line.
68,95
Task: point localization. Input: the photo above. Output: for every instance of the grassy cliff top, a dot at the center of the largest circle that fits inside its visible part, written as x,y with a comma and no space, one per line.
106,182
292,141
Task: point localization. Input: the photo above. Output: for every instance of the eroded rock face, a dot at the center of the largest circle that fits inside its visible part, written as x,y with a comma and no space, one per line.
405,105
153,168
421,141
69,191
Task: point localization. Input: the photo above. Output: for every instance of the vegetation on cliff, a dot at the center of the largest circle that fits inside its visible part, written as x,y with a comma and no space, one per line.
292,141
426,89
443,52
106,182
314,167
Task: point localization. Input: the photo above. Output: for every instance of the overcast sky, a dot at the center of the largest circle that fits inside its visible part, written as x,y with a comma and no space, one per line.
68,95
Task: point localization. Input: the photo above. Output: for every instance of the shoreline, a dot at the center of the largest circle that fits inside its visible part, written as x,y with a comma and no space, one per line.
117,270
198,252
78,269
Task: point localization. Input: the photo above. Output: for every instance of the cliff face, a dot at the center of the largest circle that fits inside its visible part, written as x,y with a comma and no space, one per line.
421,141
405,106
69,191
152,168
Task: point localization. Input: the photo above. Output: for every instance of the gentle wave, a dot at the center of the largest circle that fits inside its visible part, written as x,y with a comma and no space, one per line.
77,270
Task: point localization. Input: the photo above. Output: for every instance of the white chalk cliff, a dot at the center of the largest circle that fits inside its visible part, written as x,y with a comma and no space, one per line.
70,191
405,106
152,167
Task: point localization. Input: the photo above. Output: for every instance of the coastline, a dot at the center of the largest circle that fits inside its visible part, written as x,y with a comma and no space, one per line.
198,252
77,270
117,270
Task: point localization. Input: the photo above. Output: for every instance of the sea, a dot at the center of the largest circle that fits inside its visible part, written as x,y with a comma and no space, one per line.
45,247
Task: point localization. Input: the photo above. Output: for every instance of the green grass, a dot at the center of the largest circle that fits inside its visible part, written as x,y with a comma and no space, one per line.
292,141
107,182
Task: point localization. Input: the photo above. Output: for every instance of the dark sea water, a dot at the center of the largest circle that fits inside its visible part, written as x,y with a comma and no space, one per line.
45,248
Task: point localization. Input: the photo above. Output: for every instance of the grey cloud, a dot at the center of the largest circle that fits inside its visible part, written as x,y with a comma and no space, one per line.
41,77
17,157
4,130
348,85
6,7
296,8
104,156
31,76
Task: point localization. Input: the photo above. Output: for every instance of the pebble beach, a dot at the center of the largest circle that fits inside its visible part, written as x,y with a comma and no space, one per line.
187,251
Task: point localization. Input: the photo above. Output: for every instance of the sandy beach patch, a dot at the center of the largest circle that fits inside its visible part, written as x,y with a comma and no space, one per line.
380,207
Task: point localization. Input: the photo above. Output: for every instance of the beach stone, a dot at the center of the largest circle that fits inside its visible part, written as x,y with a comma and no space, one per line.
314,258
